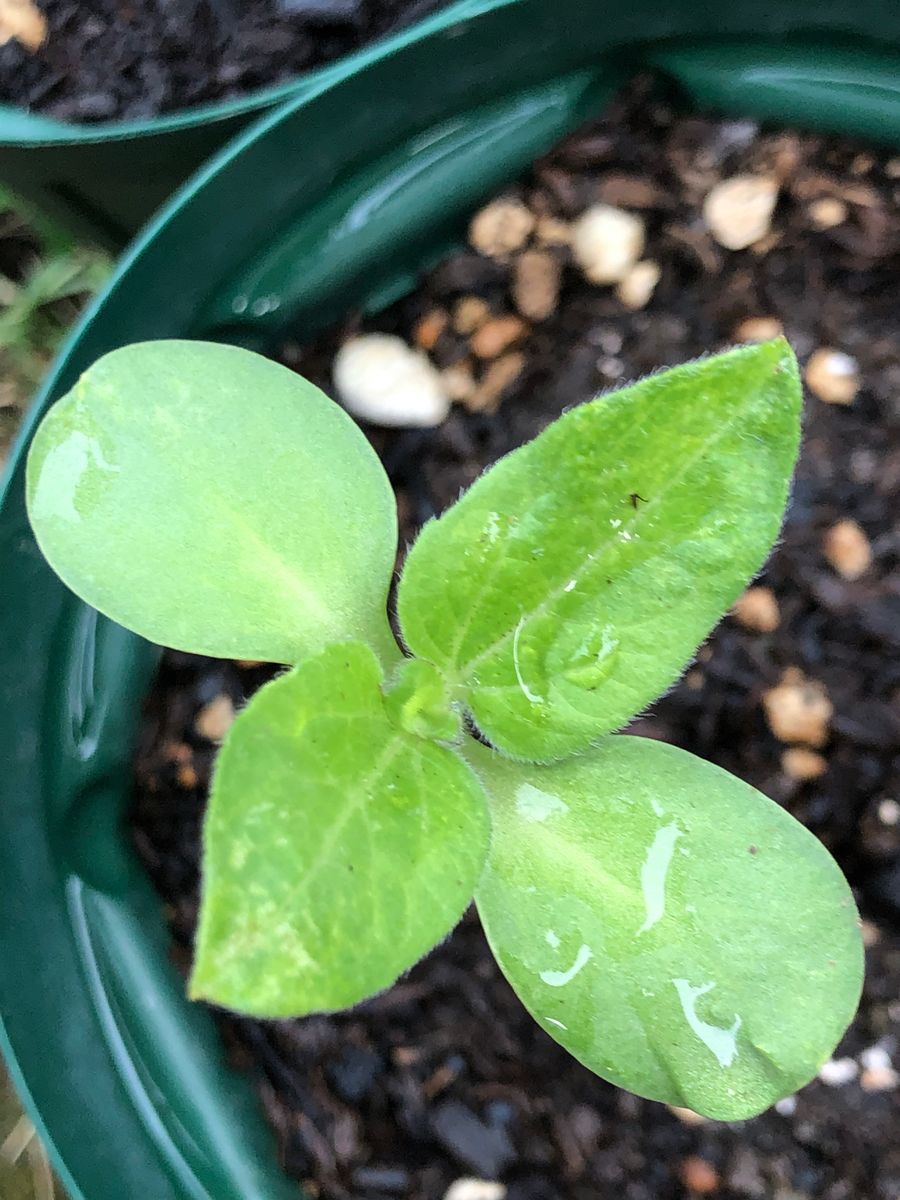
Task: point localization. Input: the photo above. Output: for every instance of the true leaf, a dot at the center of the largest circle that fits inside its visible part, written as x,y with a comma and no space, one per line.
572,583
214,501
674,929
339,848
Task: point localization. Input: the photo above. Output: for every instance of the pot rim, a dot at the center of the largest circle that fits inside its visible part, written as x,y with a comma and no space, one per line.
21,127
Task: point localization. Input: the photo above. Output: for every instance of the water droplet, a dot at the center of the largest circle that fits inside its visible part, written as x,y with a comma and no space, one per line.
551,939
553,1021
722,1042
68,464
534,805
530,696
561,978
654,873
593,661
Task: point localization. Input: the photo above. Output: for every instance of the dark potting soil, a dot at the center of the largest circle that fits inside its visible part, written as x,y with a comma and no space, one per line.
106,59
445,1075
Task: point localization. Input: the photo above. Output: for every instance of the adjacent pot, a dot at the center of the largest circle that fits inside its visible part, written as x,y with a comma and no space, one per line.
291,224
104,180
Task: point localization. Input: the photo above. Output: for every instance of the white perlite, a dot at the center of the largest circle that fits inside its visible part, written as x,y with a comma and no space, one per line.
838,1071
475,1189
607,242
381,379
738,211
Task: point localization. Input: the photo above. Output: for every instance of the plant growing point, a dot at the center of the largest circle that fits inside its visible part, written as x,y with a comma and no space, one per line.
677,931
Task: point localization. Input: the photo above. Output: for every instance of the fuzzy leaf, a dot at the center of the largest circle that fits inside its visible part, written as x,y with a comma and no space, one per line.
573,582
339,848
674,929
214,501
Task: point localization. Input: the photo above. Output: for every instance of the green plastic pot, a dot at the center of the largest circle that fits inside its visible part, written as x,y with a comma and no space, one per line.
336,200
104,180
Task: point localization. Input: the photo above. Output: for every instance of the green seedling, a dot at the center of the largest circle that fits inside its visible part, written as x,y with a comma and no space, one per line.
675,930
37,307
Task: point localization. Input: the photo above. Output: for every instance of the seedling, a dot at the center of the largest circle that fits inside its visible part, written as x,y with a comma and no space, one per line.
674,929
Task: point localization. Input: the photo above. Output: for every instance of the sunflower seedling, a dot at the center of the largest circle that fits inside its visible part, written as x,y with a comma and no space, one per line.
673,928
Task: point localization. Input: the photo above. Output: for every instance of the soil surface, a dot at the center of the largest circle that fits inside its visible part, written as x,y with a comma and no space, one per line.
445,1075
106,60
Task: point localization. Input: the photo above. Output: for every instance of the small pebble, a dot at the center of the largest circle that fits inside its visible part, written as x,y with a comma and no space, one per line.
757,610
636,289
698,1176
469,313
550,231
24,21
475,1189
536,284
798,709
382,380
501,228
215,719
686,1116
884,1079
802,764
838,1071
757,329
429,328
889,812
738,211
500,375
188,777
177,752
497,335
607,242
611,367
832,376
878,1074
848,549
459,382
828,212
871,934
